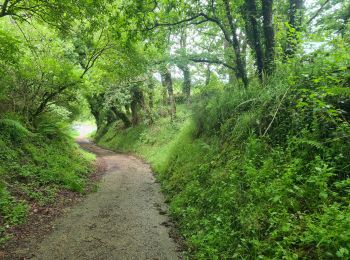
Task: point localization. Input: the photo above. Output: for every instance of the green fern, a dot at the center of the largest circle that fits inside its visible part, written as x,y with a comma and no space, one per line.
312,143
52,129
14,129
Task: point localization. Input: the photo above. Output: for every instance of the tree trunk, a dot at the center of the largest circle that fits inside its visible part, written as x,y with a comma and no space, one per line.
241,70
244,48
295,21
111,117
146,108
136,100
228,59
95,104
186,88
122,116
269,34
255,36
168,84
151,96
207,75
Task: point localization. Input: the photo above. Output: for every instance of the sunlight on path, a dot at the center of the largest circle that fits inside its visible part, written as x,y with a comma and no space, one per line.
84,129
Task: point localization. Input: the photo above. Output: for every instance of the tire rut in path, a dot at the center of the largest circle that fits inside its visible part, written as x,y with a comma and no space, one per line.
119,221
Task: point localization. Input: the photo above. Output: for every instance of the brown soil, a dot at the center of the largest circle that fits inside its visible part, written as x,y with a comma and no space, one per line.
126,218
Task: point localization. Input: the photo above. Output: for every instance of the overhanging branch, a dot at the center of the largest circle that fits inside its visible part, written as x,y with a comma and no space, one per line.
219,62
318,12
192,20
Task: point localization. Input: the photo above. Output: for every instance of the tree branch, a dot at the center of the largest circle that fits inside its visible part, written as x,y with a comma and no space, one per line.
203,60
157,24
318,12
93,59
50,96
191,20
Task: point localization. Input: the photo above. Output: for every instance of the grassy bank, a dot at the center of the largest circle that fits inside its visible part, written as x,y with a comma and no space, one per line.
257,173
34,166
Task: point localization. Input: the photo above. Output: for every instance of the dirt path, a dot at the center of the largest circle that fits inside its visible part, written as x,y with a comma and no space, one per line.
124,219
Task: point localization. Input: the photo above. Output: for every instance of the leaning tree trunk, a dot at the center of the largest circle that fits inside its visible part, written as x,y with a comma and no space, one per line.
269,34
168,84
122,116
111,117
95,103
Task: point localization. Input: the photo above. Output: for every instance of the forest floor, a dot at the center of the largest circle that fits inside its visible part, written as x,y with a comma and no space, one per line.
126,218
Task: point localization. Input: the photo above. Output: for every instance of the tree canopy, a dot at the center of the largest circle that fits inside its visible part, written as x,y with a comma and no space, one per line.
263,82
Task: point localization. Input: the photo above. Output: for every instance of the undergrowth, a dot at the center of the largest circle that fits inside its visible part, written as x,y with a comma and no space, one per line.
256,173
34,166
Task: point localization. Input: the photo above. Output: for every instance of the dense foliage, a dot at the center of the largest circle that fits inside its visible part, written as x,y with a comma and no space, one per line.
34,166
254,173
241,106
41,93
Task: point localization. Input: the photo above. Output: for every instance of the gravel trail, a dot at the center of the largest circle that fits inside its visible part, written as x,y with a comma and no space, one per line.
125,218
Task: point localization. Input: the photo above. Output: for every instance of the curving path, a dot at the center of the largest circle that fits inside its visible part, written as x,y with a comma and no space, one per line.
123,220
